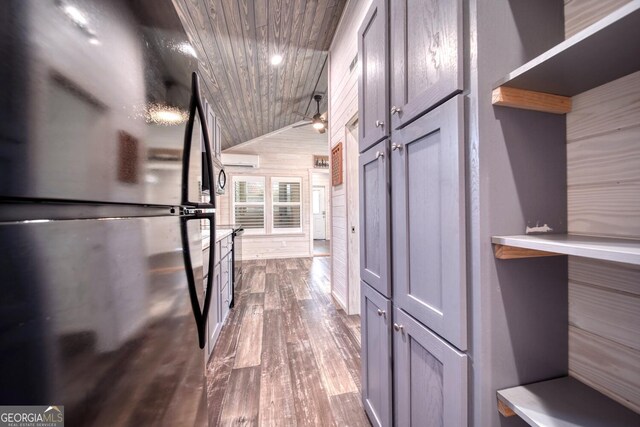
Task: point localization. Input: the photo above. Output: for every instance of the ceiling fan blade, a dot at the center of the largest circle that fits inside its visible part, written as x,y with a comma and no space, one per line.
303,115
300,125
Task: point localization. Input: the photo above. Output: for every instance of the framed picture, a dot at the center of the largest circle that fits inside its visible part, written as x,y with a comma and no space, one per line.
336,164
321,162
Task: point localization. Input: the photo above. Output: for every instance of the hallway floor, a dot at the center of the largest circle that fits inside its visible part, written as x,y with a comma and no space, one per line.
286,355
321,247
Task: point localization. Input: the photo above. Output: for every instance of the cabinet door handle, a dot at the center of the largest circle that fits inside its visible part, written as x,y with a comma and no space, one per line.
381,312
379,154
396,110
395,146
398,328
379,123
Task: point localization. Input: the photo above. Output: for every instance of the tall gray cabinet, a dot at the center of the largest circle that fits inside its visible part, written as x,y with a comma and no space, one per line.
412,212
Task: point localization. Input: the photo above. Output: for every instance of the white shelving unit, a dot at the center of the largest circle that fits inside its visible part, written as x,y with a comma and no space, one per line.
599,54
602,248
564,402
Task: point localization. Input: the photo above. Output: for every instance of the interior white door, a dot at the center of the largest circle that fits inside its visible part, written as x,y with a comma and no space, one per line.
319,213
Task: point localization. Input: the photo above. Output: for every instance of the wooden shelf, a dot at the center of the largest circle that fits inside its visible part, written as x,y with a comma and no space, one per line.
602,52
607,249
564,402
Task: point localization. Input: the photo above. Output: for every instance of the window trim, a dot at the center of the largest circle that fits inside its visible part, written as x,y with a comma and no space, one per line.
250,178
272,181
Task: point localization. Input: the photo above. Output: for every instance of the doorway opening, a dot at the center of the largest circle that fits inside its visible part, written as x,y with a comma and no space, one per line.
320,214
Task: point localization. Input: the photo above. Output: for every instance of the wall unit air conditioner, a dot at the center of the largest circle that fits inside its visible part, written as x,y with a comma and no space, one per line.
241,160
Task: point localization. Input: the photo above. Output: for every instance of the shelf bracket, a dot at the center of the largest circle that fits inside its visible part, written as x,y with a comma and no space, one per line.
530,100
512,252
504,410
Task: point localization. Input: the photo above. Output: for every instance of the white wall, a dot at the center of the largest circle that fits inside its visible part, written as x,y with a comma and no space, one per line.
343,106
284,153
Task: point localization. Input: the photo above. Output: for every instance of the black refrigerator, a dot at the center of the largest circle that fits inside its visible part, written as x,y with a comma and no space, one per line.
103,304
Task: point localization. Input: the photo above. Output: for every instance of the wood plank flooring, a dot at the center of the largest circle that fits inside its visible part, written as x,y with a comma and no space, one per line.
286,356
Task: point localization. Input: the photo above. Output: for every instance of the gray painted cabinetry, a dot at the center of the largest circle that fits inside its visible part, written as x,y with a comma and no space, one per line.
426,56
214,321
412,215
430,377
376,362
373,84
219,308
428,228
375,245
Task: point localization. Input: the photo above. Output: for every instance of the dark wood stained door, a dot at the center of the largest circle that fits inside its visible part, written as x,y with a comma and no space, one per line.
373,86
375,244
430,377
375,318
428,210
426,55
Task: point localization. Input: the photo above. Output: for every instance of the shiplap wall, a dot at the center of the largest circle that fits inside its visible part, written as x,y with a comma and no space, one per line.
284,153
603,178
343,105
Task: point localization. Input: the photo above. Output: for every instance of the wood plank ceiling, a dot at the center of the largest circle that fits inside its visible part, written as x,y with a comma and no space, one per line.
235,40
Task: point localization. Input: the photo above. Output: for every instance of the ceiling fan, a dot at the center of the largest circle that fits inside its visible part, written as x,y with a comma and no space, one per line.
318,122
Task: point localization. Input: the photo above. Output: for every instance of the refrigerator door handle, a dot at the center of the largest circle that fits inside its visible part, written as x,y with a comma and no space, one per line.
199,316
195,106
197,210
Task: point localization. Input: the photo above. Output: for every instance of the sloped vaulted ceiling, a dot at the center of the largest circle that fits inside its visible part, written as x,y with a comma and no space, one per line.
235,40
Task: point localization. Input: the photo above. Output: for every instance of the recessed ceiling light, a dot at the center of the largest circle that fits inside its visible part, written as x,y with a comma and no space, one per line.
75,15
187,49
276,59
165,115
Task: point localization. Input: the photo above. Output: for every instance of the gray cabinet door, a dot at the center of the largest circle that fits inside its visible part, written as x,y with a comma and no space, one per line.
430,377
426,55
213,319
375,317
375,264
428,211
373,86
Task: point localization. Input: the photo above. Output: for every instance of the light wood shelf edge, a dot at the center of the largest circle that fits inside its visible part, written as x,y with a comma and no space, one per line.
513,252
504,410
529,100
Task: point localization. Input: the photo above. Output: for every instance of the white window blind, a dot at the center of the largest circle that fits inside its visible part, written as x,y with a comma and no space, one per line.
286,205
248,202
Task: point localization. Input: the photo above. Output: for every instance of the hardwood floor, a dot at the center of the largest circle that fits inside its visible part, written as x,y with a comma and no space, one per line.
287,356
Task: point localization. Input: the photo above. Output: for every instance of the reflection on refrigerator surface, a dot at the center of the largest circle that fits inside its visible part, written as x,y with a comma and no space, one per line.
95,100
94,304
95,312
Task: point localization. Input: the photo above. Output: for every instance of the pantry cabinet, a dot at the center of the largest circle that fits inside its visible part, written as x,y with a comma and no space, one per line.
426,56
412,213
376,362
373,89
428,226
430,377
375,244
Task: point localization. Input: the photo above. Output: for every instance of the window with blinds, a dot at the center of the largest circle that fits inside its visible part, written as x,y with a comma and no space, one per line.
248,202
286,205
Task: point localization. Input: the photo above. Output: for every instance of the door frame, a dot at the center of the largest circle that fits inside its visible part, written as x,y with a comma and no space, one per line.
323,207
327,196
353,297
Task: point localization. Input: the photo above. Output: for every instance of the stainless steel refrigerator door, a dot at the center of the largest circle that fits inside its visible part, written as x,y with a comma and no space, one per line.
95,315
94,98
